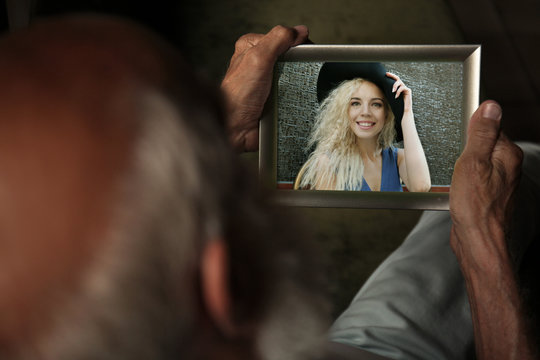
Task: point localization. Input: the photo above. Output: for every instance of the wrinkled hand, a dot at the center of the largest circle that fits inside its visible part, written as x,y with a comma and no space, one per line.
485,177
248,81
400,88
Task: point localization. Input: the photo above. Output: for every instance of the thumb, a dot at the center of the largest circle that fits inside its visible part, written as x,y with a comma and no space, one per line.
484,129
281,38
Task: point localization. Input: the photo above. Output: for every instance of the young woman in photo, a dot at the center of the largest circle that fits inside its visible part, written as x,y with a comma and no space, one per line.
363,111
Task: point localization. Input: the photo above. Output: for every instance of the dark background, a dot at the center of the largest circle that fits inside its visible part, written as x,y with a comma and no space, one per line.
356,240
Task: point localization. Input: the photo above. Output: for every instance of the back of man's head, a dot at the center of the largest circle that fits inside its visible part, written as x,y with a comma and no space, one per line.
115,179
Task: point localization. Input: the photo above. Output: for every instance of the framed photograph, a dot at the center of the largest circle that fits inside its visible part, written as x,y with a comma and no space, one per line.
444,87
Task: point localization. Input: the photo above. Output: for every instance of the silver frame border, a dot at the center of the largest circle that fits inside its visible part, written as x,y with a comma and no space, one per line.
468,54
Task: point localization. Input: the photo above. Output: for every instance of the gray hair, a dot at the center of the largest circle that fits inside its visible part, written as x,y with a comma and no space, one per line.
139,298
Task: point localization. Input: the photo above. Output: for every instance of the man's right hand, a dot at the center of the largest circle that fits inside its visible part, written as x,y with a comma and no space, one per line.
485,177
248,80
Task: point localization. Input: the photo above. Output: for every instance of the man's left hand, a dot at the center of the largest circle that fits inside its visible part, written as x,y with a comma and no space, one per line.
248,81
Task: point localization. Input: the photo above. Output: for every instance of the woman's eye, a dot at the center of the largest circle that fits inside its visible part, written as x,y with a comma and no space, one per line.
355,103
378,105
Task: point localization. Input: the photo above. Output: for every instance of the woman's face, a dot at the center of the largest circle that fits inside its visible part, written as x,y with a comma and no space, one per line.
367,112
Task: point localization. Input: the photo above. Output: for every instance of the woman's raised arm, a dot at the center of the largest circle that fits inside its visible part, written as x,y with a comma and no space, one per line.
413,167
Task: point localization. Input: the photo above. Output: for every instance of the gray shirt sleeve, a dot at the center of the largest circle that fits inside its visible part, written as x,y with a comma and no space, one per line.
415,306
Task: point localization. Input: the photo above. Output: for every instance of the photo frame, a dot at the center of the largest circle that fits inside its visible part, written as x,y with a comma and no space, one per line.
444,80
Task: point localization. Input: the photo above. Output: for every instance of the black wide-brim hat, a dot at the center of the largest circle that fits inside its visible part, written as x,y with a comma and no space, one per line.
334,73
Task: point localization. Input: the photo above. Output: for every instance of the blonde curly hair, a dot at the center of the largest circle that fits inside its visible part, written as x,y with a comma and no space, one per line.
336,162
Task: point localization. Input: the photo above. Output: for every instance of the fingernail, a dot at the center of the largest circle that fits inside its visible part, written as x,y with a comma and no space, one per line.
492,111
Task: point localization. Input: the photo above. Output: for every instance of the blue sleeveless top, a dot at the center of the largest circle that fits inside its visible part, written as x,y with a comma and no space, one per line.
389,173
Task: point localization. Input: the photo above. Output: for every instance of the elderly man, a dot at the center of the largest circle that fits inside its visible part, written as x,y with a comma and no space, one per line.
128,229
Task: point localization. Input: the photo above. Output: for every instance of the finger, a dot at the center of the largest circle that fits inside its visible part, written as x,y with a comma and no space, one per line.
251,142
302,33
509,154
402,89
397,84
484,128
393,76
280,39
246,41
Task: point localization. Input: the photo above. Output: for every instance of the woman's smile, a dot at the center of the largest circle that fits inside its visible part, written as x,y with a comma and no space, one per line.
365,125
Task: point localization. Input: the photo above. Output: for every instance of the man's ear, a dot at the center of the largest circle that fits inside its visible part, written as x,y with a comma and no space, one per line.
215,284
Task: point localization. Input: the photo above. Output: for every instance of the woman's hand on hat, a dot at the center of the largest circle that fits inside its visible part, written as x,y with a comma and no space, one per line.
400,88
248,80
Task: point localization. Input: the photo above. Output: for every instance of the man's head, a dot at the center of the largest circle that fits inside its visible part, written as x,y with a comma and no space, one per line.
127,228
